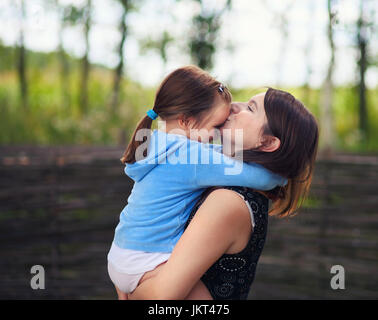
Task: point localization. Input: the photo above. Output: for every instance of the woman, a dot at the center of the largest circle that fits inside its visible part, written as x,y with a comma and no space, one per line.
223,242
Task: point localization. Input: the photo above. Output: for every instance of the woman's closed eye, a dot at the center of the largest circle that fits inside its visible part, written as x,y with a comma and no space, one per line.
252,106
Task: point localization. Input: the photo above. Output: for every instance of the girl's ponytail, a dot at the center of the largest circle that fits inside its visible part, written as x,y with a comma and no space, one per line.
129,154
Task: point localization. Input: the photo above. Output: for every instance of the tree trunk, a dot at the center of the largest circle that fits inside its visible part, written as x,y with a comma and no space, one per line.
281,18
85,61
21,67
327,130
362,64
119,69
306,90
64,72
284,29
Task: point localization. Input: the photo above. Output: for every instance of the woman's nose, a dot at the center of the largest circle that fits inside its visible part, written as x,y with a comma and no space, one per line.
235,107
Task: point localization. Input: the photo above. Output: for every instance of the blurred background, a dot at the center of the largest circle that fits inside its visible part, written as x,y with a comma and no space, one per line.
76,76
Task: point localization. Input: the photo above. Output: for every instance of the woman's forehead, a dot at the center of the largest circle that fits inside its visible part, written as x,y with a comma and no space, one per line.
258,97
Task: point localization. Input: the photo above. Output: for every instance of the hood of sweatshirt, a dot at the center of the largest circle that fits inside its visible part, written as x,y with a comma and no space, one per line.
159,145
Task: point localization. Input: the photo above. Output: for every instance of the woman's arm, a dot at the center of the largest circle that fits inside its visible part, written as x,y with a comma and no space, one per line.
215,227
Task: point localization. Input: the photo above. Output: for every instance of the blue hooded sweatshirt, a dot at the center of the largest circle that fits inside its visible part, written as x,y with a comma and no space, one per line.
169,182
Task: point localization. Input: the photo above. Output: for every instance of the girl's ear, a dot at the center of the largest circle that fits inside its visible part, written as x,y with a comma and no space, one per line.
269,143
185,123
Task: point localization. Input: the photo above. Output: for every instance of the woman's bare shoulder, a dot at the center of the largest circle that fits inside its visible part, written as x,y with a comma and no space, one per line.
230,204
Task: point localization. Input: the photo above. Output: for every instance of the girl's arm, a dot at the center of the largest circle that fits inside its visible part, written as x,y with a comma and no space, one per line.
217,169
213,230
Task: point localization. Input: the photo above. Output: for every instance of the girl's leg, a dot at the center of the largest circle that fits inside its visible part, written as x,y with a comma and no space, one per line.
121,294
123,282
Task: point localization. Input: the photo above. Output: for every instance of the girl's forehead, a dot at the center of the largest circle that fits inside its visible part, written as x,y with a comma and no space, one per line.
219,112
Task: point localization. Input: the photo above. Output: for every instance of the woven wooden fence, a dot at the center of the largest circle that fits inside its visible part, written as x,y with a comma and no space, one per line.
59,207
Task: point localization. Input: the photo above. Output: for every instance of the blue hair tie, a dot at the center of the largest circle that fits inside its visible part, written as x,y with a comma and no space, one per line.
152,114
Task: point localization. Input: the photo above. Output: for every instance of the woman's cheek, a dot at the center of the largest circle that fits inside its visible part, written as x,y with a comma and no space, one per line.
227,134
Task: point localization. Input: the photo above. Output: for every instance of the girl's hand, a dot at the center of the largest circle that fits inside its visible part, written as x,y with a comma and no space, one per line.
121,295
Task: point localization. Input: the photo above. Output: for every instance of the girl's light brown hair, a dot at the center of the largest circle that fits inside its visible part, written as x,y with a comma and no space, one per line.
290,121
188,92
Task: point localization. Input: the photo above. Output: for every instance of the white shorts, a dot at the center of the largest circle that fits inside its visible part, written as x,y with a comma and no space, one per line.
124,281
126,267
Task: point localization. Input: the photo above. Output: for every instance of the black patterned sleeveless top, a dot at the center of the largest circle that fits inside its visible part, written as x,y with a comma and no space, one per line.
231,276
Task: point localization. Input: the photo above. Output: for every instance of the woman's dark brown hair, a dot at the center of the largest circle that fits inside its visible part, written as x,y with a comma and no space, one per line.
290,121
188,92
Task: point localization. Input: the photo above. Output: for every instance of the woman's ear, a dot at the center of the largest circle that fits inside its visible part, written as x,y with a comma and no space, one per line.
269,143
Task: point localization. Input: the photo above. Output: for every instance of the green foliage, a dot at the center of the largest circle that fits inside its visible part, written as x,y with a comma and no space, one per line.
159,45
205,29
47,122
50,121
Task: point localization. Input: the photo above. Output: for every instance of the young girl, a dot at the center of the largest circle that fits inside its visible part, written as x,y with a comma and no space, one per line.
173,172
